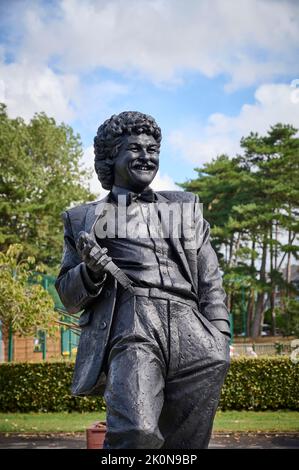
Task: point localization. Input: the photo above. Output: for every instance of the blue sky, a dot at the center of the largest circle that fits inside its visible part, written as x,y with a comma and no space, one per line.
209,71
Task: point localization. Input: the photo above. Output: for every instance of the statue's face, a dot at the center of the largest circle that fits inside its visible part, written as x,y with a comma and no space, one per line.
137,162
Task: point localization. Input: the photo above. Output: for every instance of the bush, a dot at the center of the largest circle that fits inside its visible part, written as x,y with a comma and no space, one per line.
43,386
263,383
251,384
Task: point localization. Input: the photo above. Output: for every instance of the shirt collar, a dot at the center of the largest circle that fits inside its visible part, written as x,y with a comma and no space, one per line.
117,191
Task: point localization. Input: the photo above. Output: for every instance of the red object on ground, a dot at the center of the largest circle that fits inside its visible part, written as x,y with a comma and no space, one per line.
95,435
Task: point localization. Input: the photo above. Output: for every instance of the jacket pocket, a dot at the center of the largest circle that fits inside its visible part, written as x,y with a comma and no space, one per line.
85,318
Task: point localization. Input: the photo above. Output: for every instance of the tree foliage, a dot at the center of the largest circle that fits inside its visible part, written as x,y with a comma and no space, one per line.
288,319
40,177
25,306
252,204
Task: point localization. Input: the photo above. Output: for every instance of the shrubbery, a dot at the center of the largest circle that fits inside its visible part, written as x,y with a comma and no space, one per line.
264,383
43,386
251,384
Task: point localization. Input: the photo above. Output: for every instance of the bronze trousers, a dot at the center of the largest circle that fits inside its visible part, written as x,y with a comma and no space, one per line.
165,368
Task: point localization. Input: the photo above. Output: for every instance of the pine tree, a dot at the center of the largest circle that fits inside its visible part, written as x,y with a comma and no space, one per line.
251,201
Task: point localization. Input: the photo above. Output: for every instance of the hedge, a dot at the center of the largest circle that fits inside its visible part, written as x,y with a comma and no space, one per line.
43,386
263,383
251,384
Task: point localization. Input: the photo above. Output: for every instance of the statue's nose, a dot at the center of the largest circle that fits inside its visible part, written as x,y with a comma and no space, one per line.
144,155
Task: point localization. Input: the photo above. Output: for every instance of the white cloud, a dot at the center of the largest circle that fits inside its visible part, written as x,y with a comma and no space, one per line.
222,134
27,89
98,101
249,41
52,48
163,182
30,81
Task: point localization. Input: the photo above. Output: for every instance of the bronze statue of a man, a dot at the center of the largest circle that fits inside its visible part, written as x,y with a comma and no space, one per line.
155,328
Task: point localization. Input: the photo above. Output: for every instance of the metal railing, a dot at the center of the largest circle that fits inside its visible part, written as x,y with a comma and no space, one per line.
269,349
69,332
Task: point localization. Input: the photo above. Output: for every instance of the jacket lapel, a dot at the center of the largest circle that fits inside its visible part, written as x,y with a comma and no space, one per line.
176,244
93,213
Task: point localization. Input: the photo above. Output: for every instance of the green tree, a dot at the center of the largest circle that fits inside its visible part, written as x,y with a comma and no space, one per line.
251,202
25,306
224,187
273,159
288,320
40,177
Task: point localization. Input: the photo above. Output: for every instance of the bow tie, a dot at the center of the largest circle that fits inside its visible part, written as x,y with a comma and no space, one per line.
147,196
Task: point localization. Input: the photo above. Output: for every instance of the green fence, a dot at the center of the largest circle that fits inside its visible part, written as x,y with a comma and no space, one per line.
69,337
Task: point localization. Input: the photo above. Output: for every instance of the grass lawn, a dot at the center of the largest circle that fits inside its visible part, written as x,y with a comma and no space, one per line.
238,421
234,421
48,422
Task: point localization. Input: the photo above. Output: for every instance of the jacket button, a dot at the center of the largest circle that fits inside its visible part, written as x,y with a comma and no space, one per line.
108,293
103,325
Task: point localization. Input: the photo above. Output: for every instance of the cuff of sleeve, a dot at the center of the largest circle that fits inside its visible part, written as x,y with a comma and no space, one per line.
92,287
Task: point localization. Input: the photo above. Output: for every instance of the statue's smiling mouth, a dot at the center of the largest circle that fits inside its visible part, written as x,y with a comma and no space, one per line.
141,166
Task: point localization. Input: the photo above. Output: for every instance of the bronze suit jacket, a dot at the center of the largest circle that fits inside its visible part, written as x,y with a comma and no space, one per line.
198,261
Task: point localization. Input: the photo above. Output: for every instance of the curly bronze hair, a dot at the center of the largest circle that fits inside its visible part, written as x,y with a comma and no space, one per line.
108,140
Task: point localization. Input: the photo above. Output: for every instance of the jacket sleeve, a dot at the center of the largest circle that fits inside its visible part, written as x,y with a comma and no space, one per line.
210,290
73,284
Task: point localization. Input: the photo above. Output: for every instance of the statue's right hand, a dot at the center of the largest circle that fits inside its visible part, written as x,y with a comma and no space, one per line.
92,254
